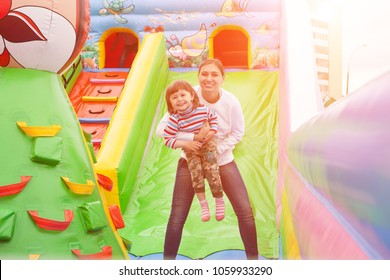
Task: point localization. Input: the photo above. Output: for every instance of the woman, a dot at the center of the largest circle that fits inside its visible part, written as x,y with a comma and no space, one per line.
231,130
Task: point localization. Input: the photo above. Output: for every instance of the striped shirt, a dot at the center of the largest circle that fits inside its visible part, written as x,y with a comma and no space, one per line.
189,121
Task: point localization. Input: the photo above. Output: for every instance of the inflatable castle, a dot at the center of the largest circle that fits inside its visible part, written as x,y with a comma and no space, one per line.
83,175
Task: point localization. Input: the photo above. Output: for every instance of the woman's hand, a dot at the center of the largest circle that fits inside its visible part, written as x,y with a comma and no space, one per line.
209,135
202,132
191,146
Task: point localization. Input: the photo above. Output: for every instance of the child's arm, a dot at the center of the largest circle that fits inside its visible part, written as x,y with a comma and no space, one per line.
180,135
171,140
170,131
187,145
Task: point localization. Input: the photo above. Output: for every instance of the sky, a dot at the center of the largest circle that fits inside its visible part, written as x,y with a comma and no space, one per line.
365,22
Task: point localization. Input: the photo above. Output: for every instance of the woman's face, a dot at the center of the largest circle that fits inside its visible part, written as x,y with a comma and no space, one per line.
210,78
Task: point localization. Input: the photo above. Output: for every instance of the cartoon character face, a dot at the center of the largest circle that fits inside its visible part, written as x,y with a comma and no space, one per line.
177,51
50,35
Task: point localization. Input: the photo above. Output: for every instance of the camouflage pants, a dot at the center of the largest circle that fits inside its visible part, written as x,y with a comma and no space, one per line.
203,165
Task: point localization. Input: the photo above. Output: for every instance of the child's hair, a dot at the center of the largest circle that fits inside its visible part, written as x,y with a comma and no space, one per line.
177,85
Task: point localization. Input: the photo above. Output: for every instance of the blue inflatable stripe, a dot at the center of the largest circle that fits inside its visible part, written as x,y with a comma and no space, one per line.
94,120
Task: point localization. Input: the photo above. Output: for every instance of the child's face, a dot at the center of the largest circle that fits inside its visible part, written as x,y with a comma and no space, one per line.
181,100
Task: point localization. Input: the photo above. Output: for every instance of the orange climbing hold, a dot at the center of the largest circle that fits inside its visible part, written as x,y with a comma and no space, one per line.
14,188
52,224
105,254
105,182
116,216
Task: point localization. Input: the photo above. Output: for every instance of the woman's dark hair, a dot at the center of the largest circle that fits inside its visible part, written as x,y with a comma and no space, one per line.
214,61
174,87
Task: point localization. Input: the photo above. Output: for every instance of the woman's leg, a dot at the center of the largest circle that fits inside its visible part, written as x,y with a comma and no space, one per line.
235,190
183,195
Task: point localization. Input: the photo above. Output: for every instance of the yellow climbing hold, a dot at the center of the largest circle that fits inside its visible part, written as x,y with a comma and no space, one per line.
38,131
79,188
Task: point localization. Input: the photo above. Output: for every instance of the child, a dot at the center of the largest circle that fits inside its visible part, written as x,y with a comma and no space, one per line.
188,115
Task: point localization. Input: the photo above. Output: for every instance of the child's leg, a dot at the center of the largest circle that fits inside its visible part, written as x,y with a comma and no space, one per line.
194,165
219,208
204,205
211,172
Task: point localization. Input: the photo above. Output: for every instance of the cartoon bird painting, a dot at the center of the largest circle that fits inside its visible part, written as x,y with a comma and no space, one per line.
267,27
234,8
190,46
116,8
151,29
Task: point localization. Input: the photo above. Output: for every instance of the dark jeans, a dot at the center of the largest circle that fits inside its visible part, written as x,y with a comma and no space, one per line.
183,194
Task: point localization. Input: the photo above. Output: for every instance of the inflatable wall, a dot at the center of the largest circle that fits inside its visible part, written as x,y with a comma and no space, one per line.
338,170
332,162
243,34
50,201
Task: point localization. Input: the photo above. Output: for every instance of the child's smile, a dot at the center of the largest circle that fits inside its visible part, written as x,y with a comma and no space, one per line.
181,100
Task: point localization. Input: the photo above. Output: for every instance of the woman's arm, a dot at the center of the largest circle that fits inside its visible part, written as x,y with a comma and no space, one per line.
237,129
203,132
188,146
